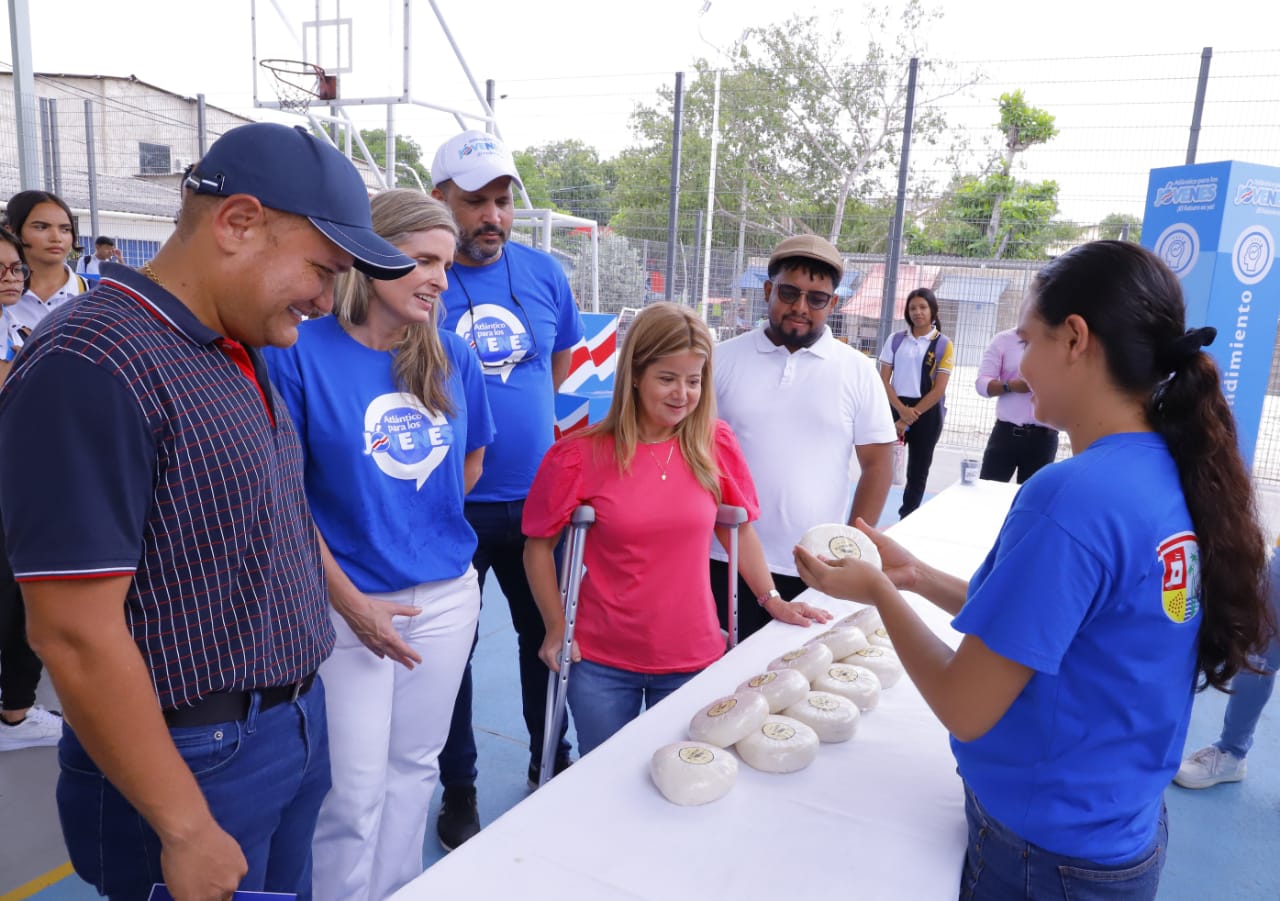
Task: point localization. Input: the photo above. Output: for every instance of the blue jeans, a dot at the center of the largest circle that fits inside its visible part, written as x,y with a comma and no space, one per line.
1000,866
1251,691
603,699
501,548
263,778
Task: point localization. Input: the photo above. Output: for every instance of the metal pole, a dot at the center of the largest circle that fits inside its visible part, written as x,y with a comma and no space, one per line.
895,235
24,95
392,178
1201,86
691,284
673,211
202,125
55,147
47,146
91,161
490,92
711,197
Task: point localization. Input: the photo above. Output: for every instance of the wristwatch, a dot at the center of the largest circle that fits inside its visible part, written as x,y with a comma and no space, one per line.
771,593
1007,389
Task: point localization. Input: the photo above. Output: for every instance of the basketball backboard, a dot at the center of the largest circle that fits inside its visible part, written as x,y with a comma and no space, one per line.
366,43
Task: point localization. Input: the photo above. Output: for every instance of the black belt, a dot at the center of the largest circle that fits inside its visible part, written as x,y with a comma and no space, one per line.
1023,430
229,706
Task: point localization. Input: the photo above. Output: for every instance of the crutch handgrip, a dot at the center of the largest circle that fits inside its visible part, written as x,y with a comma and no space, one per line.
731,517
558,683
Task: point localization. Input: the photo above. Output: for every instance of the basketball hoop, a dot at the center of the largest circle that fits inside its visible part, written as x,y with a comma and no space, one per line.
299,84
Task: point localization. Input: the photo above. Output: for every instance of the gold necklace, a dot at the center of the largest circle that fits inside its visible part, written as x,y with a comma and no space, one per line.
150,273
662,466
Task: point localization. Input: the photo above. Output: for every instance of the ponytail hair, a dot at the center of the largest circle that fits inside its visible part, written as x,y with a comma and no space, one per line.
1134,308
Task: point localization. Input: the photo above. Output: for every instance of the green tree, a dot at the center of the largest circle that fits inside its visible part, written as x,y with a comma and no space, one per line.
1022,126
575,180
957,227
408,154
1113,226
533,179
806,127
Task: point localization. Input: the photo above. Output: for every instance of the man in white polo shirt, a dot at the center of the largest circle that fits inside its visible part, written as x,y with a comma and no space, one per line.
801,403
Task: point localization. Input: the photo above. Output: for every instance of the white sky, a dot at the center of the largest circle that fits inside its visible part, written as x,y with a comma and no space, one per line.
575,68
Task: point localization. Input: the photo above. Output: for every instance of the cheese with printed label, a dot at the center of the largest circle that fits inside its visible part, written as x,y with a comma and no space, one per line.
843,641
882,661
693,772
856,683
879,638
727,719
833,717
780,687
780,745
867,619
809,660
837,540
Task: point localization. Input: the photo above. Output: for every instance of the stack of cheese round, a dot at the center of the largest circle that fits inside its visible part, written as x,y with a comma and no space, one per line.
867,619
693,772
879,638
836,540
883,662
809,660
856,683
725,720
781,745
833,717
843,641
781,688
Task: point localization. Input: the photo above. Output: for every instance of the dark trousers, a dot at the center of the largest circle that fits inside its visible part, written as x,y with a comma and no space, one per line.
921,439
751,616
19,666
1020,448
501,548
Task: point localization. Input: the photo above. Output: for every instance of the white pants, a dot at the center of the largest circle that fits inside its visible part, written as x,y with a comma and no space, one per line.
387,725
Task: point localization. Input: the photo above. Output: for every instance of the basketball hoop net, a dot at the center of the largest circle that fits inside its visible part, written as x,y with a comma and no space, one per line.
299,84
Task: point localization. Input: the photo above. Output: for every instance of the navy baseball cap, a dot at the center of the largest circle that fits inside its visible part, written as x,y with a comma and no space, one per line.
293,171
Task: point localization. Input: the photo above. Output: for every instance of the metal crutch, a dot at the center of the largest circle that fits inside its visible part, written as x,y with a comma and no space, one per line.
730,518
558,683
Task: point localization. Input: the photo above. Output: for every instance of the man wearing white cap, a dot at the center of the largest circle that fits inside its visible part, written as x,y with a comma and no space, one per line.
157,523
514,306
801,403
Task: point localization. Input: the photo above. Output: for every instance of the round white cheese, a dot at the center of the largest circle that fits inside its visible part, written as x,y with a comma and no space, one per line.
809,660
781,745
727,719
781,688
879,638
856,683
837,540
867,619
842,641
833,717
884,662
693,772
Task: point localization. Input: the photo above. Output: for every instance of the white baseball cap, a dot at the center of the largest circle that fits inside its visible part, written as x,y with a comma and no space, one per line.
473,159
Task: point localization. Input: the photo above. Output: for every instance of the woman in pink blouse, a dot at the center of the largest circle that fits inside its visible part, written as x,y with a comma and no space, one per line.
655,470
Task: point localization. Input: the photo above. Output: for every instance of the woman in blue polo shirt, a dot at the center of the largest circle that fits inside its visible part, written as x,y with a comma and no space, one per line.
394,420
1121,579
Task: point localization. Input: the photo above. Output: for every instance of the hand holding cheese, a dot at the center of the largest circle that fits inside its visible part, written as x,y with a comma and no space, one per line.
838,541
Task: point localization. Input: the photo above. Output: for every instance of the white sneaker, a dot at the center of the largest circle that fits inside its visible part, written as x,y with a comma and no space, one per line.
1209,766
41,729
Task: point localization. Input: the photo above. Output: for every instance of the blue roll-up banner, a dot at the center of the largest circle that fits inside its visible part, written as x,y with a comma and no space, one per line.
1216,225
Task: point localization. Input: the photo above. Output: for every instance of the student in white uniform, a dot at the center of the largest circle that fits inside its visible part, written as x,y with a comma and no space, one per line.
45,225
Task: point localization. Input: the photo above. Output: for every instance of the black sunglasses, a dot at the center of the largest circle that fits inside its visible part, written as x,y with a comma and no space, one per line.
790,294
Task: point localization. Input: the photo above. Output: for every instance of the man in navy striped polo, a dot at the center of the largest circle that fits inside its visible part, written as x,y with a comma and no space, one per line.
151,494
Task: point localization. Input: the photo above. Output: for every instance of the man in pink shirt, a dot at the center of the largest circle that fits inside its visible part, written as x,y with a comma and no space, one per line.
1018,442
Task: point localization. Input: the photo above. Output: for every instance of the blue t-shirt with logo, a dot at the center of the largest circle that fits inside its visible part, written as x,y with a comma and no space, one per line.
1094,583
384,477
514,340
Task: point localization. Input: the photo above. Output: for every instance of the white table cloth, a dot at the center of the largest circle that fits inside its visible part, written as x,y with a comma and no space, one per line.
878,817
